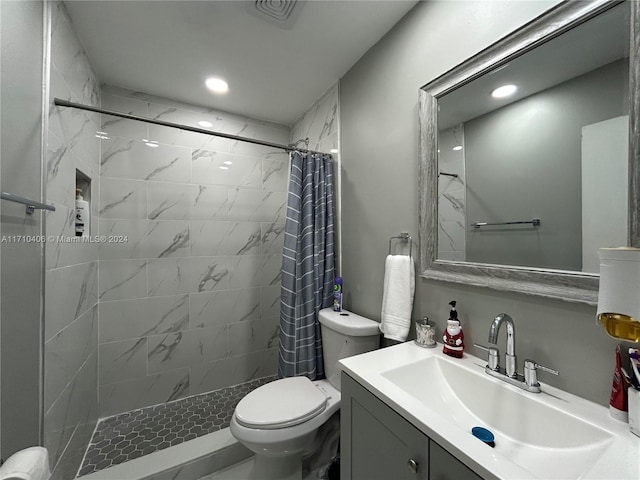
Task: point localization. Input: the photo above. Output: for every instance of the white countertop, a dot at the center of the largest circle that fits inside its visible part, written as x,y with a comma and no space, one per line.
618,458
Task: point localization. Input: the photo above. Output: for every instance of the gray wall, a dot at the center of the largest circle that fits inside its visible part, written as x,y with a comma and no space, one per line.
21,163
529,153
379,118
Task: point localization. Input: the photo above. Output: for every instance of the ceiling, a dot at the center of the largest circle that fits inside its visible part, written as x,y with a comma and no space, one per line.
275,71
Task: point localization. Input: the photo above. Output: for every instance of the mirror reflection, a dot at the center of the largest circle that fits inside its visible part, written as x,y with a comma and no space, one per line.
535,174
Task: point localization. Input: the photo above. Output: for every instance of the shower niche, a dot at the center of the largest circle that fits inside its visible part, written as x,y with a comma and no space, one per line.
82,202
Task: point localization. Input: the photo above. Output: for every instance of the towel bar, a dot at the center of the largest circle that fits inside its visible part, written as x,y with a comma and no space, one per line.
405,237
534,222
30,204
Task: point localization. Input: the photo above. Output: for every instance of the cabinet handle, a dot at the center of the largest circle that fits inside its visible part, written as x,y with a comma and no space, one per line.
413,465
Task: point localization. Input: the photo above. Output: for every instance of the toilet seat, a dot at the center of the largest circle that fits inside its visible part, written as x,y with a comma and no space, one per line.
281,404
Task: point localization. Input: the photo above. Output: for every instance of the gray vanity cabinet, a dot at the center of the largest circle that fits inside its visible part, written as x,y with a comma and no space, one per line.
376,443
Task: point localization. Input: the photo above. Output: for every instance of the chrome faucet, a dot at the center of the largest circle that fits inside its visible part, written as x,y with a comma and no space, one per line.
510,356
528,381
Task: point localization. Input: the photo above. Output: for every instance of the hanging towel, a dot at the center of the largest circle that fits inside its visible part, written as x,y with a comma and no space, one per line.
397,300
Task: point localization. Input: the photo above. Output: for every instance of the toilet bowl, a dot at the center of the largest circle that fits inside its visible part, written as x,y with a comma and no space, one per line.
282,420
278,433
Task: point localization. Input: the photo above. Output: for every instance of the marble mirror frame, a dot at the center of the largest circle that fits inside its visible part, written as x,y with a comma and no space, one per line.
565,285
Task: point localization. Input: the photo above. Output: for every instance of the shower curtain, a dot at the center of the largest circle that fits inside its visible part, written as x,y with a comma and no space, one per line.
307,264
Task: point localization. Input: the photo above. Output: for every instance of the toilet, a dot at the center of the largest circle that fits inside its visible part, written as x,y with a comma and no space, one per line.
281,422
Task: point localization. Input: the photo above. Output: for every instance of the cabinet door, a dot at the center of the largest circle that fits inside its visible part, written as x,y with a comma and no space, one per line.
444,466
377,443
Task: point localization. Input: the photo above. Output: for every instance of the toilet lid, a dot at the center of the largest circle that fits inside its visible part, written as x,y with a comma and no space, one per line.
282,403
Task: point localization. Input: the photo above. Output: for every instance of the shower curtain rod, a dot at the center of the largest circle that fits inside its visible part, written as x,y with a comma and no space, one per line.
290,148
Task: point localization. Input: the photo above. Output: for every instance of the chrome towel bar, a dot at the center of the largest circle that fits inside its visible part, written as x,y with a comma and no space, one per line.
404,237
31,205
534,222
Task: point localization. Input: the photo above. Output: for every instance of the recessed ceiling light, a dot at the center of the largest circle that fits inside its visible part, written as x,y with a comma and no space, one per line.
458,147
217,85
205,124
223,168
228,162
504,91
150,143
333,150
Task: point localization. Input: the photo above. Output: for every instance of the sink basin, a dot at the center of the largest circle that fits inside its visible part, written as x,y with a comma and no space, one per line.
547,435
527,430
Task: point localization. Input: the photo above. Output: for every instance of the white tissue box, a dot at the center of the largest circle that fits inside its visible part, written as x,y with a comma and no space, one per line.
634,410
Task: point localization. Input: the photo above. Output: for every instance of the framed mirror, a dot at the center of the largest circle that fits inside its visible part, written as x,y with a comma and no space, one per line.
518,192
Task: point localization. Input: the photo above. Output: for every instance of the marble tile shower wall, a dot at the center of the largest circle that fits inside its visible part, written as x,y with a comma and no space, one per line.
451,195
71,272
189,277
320,123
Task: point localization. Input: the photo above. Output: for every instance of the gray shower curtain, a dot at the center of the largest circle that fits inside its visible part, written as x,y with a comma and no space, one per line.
308,264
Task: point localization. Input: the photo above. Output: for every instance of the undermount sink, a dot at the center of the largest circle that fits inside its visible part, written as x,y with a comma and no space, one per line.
527,430
547,435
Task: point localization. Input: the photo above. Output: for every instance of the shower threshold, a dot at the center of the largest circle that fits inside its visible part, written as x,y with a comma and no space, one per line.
189,436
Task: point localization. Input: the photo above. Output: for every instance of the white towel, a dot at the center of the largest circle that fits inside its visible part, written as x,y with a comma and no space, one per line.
397,300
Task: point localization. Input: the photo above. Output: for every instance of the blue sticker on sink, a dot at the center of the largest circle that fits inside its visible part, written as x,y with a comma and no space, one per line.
485,435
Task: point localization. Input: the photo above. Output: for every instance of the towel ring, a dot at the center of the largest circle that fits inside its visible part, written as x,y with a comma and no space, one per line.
405,237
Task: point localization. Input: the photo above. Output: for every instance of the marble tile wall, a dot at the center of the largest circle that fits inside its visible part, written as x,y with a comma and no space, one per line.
321,125
181,294
71,272
451,195
189,276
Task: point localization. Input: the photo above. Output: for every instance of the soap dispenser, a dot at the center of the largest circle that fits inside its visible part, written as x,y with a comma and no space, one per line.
453,336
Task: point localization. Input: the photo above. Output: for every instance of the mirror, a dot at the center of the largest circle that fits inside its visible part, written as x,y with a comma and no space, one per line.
515,194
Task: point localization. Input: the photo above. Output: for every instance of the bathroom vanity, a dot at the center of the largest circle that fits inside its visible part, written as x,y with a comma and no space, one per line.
407,413
382,444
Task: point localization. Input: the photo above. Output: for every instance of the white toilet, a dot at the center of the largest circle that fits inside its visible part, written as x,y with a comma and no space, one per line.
281,421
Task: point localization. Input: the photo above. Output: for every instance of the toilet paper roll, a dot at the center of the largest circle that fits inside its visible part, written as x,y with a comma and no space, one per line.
29,464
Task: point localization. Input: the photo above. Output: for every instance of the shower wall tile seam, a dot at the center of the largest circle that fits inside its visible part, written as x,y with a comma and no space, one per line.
71,265
71,324
153,374
70,382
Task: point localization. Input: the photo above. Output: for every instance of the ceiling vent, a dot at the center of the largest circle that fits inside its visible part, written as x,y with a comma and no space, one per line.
281,13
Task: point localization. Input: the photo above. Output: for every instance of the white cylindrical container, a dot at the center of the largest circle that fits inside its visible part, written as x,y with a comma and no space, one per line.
619,294
82,215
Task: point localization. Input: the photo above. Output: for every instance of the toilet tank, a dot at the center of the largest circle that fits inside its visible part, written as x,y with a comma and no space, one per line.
345,334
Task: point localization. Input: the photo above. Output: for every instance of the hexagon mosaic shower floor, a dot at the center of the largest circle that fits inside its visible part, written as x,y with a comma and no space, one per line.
136,433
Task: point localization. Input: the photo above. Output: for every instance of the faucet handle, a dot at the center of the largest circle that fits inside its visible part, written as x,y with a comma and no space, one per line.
530,372
546,369
494,355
